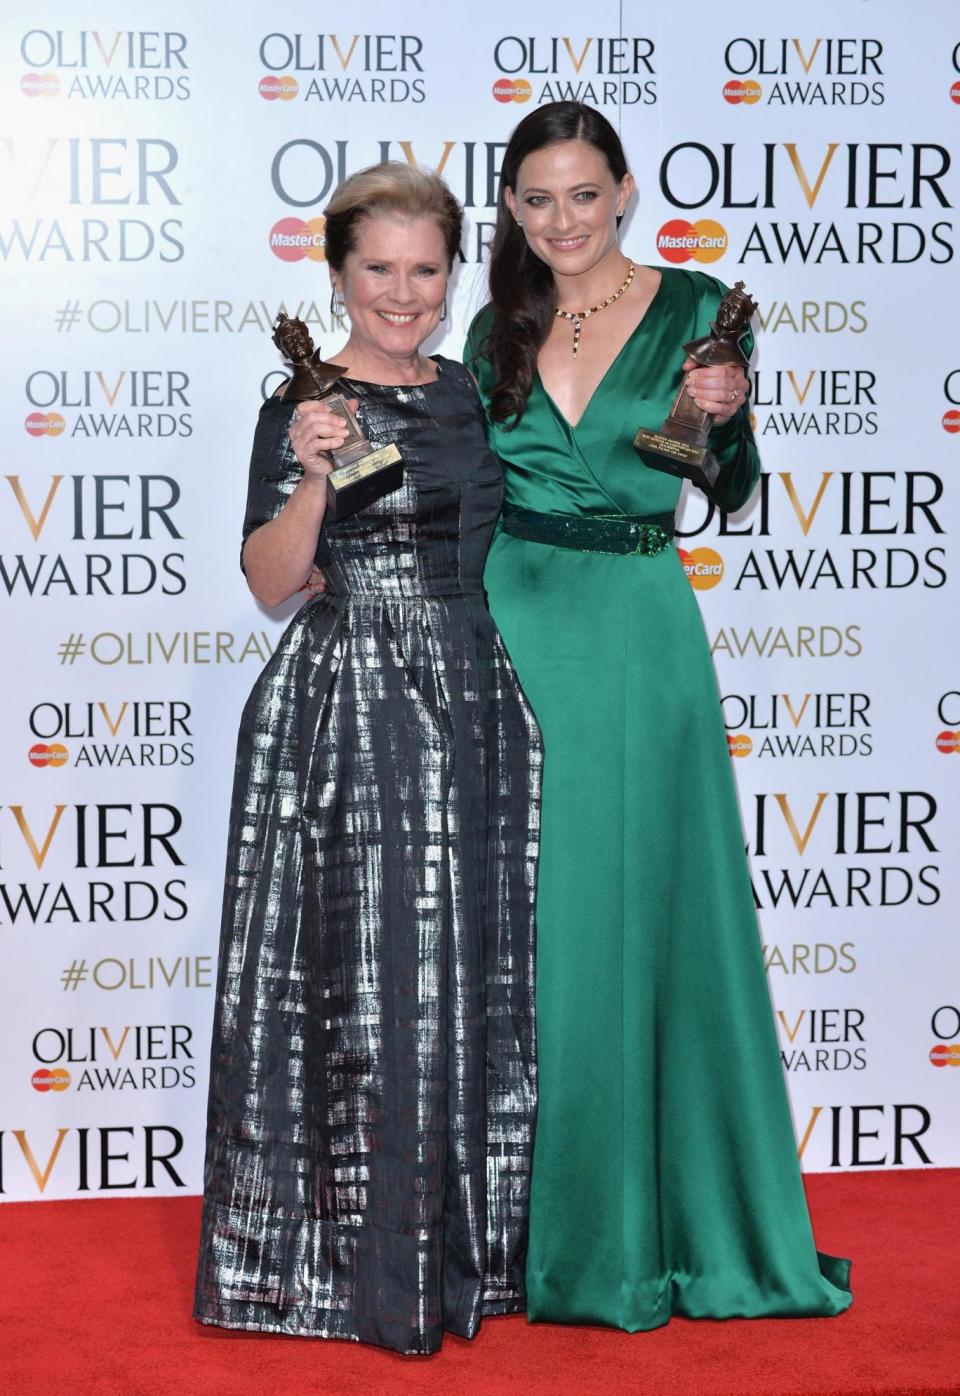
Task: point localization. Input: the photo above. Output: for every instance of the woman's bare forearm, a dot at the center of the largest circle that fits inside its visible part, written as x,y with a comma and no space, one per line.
278,556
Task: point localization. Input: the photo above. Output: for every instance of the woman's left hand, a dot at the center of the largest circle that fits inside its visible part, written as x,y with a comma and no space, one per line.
720,391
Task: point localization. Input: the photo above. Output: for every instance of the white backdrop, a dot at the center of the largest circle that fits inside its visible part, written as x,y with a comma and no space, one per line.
151,179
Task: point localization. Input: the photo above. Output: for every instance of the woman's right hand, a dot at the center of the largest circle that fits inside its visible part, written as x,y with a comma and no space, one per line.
316,431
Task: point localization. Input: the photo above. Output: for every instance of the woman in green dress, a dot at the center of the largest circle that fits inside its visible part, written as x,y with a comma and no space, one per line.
665,1173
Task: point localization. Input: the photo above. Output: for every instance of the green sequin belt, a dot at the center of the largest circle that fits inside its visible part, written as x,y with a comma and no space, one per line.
646,534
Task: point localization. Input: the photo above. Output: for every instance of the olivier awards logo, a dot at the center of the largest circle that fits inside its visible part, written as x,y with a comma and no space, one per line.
802,725
131,65
95,174
132,734
132,1057
888,202
125,405
843,518
363,68
89,864
614,71
105,510
88,1158
838,849
818,72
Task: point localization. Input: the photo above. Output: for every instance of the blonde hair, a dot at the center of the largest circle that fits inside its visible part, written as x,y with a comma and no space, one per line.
393,186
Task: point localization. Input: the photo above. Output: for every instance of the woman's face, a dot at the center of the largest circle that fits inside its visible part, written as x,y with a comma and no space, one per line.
567,200
393,283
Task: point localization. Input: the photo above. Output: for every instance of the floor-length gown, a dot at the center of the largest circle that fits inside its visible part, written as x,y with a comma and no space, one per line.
373,1082
665,1174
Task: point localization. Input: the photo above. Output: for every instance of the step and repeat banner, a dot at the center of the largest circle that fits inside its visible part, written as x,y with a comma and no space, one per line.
164,171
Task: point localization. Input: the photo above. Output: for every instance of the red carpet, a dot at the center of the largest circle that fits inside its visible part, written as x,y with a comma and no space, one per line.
95,1298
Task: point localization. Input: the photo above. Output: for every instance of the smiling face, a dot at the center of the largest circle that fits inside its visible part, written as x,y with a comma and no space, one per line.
567,200
393,283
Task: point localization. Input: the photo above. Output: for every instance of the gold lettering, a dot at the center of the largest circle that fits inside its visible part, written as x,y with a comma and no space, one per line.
805,520
814,1116
797,717
800,840
35,525
39,854
336,43
119,1047
807,63
41,1179
796,1026
111,397
810,194
107,57
801,396
114,726
407,148
578,64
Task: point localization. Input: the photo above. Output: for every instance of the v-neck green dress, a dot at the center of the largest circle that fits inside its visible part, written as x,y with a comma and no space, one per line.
665,1175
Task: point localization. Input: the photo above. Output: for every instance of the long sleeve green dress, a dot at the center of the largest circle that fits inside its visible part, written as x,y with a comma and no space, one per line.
665,1175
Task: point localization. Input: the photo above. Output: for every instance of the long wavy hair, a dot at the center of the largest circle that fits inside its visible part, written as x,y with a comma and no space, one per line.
522,290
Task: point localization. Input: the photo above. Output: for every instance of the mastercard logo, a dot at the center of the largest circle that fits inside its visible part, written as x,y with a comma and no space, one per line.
679,241
39,84
945,1054
292,239
512,90
44,424
955,93
739,744
46,1080
704,567
284,88
948,742
746,92
43,755
951,420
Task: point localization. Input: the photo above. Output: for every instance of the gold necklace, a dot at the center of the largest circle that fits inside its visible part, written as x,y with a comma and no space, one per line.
578,316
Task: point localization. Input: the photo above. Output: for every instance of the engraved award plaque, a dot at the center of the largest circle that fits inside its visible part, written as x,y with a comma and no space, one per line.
361,472
680,446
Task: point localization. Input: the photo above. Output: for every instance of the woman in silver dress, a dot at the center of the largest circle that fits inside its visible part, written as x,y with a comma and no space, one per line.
372,1085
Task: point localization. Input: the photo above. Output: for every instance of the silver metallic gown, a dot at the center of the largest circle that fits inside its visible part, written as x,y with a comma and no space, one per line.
372,1084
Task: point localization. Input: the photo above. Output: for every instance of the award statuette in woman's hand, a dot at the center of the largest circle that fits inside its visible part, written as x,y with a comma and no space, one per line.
361,472
680,446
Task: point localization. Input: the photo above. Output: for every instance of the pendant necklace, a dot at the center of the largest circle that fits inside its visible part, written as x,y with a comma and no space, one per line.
578,316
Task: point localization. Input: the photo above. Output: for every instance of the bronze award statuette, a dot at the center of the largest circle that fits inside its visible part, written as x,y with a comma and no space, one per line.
361,472
680,446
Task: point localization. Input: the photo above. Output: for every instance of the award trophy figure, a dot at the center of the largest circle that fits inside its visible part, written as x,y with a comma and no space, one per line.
680,446
362,472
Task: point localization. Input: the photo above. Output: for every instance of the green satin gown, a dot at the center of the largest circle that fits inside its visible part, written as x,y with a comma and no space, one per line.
665,1177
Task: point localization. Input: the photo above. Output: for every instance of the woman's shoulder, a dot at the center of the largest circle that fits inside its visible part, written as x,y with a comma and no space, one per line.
453,373
480,327
699,286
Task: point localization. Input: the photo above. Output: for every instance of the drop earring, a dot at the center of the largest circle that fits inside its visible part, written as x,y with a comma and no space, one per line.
443,310
337,305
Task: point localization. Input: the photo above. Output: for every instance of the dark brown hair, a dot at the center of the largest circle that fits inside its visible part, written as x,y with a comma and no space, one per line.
390,187
522,291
